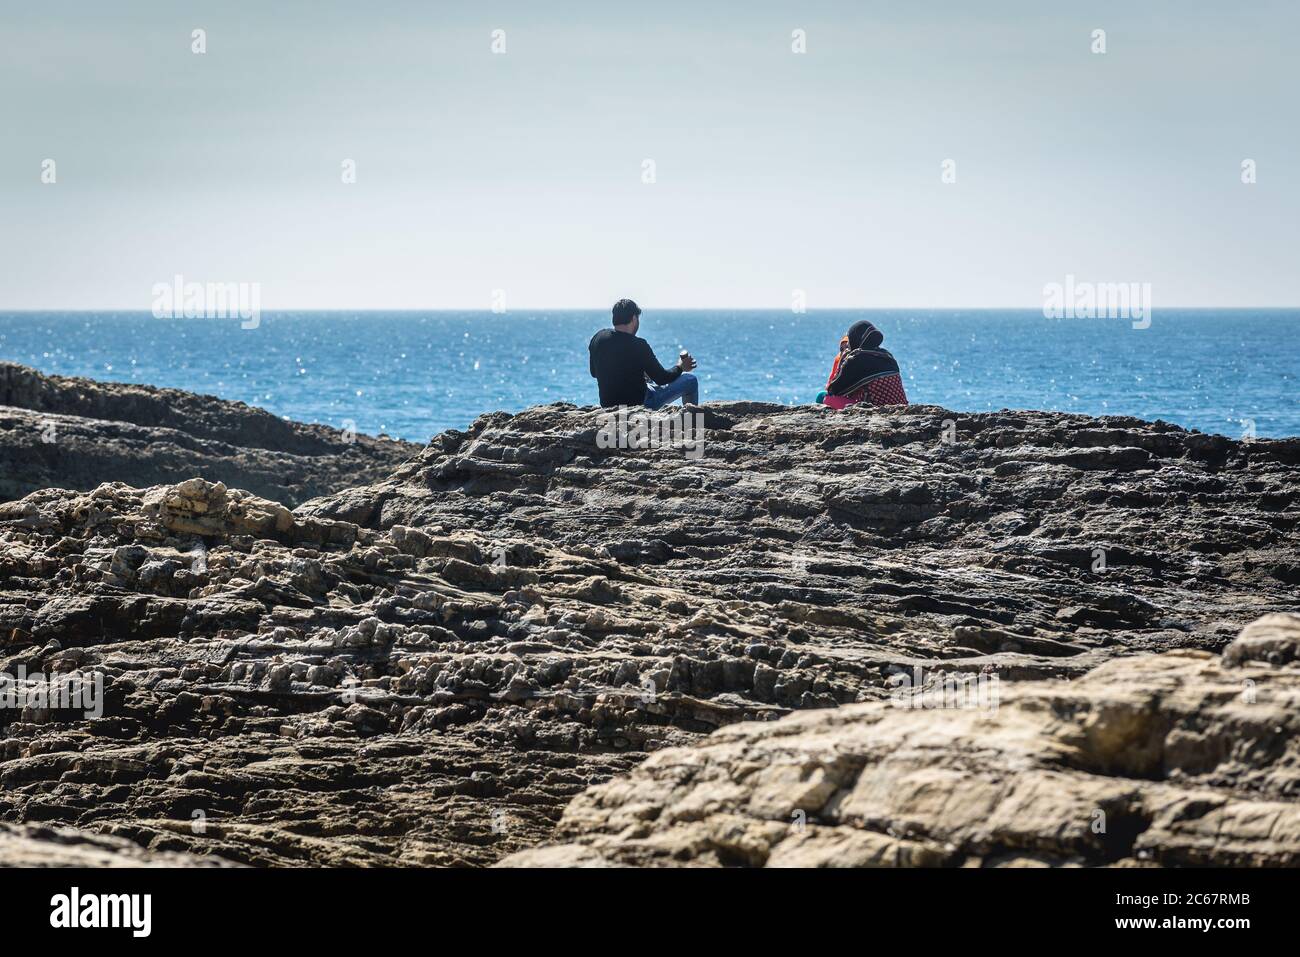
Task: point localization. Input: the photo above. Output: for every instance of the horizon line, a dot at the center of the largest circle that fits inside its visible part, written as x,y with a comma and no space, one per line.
518,309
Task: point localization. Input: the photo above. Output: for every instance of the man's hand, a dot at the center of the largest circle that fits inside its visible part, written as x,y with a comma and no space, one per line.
686,361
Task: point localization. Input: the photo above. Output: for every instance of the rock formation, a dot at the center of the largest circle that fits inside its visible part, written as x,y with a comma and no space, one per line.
1174,759
428,669
38,845
78,433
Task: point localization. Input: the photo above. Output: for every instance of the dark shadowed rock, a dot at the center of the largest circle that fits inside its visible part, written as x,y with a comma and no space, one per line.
72,433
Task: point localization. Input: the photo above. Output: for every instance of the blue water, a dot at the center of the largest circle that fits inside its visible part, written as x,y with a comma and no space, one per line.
414,374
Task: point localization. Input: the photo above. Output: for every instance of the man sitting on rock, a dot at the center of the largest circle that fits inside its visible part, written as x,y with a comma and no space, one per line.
627,371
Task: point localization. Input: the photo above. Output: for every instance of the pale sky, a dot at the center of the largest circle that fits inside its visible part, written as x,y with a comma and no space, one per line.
522,171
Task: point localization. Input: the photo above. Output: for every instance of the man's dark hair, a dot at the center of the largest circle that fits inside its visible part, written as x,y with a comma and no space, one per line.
625,310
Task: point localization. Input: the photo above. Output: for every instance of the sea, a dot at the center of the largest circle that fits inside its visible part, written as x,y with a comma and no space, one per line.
414,374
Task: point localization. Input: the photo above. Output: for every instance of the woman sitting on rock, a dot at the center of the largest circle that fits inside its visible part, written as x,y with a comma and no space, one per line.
863,372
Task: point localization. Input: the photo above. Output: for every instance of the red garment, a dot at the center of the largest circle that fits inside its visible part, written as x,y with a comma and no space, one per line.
887,390
882,390
835,367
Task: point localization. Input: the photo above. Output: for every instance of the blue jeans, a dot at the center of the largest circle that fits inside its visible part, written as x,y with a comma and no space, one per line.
685,387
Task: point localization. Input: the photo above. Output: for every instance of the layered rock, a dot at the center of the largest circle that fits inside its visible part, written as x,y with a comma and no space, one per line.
38,845
1176,759
427,670
78,433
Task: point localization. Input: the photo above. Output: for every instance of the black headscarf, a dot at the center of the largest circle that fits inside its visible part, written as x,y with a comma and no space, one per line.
863,335
864,361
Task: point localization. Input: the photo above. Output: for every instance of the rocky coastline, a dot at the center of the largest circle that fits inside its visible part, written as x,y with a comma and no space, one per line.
77,433
519,646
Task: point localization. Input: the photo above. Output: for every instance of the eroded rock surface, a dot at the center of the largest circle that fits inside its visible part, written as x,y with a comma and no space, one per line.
60,432
427,670
41,845
1177,759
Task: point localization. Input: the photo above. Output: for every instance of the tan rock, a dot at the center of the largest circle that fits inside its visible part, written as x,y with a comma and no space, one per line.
1274,639
1173,759
199,507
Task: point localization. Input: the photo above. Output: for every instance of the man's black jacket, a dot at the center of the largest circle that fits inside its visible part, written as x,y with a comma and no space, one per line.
621,363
